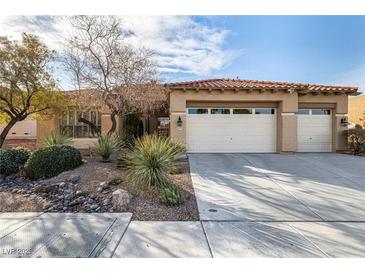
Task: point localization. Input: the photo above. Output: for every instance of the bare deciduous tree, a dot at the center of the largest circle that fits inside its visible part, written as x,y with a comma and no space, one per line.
123,77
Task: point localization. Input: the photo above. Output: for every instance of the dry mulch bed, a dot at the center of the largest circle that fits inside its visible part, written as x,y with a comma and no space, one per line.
147,207
10,202
143,206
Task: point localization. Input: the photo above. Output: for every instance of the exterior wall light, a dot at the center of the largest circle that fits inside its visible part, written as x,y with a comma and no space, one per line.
344,121
179,122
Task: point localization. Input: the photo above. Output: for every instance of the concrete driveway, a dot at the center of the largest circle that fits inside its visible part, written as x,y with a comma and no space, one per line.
260,204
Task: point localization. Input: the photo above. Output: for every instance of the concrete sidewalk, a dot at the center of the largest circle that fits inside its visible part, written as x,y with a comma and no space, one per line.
72,235
115,235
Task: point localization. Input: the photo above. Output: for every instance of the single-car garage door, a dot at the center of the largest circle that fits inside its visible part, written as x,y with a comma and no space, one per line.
220,130
314,130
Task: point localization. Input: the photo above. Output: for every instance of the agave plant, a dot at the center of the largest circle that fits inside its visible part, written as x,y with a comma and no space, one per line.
55,139
107,145
152,159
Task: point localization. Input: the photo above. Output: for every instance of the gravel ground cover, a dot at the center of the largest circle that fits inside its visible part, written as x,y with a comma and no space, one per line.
89,188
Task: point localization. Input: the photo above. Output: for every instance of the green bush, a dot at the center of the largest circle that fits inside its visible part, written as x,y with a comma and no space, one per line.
55,139
356,140
170,195
133,125
151,161
51,161
107,145
12,160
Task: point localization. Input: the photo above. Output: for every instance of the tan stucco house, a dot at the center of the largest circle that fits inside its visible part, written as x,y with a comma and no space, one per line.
233,115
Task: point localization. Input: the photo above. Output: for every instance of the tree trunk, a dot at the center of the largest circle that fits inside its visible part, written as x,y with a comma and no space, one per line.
114,123
93,127
6,130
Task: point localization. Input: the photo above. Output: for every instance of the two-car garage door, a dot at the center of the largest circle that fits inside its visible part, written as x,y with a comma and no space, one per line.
231,130
220,130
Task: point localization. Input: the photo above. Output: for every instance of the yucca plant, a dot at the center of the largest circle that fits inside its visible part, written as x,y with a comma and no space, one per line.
55,139
152,160
107,145
170,195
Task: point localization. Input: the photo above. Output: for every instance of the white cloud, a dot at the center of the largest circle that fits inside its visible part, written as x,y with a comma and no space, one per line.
51,29
181,44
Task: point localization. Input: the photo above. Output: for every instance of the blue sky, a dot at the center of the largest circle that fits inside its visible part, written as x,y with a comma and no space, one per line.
313,49
319,49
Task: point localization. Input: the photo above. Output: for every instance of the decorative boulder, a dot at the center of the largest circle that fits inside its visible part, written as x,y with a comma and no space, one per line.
121,198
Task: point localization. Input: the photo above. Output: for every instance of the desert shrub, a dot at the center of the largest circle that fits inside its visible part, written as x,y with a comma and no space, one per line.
51,161
55,139
134,125
12,160
152,159
107,145
356,140
170,195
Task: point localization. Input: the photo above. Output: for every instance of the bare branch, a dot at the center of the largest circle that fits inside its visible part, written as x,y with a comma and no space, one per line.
102,61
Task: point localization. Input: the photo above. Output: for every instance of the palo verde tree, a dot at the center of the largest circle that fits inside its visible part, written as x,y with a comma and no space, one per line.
122,77
26,86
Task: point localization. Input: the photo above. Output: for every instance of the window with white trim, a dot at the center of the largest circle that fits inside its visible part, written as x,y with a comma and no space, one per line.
220,111
242,111
314,111
71,127
303,111
321,112
197,111
269,111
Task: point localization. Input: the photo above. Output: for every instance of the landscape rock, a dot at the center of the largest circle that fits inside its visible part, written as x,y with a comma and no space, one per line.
121,198
94,206
106,201
74,179
115,181
62,196
46,188
104,185
46,205
74,202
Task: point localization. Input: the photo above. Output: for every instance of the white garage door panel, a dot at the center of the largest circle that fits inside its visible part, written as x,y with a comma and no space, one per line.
227,140
197,130
231,133
211,148
314,133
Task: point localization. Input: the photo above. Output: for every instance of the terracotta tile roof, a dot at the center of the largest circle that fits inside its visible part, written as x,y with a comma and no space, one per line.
225,83
84,92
